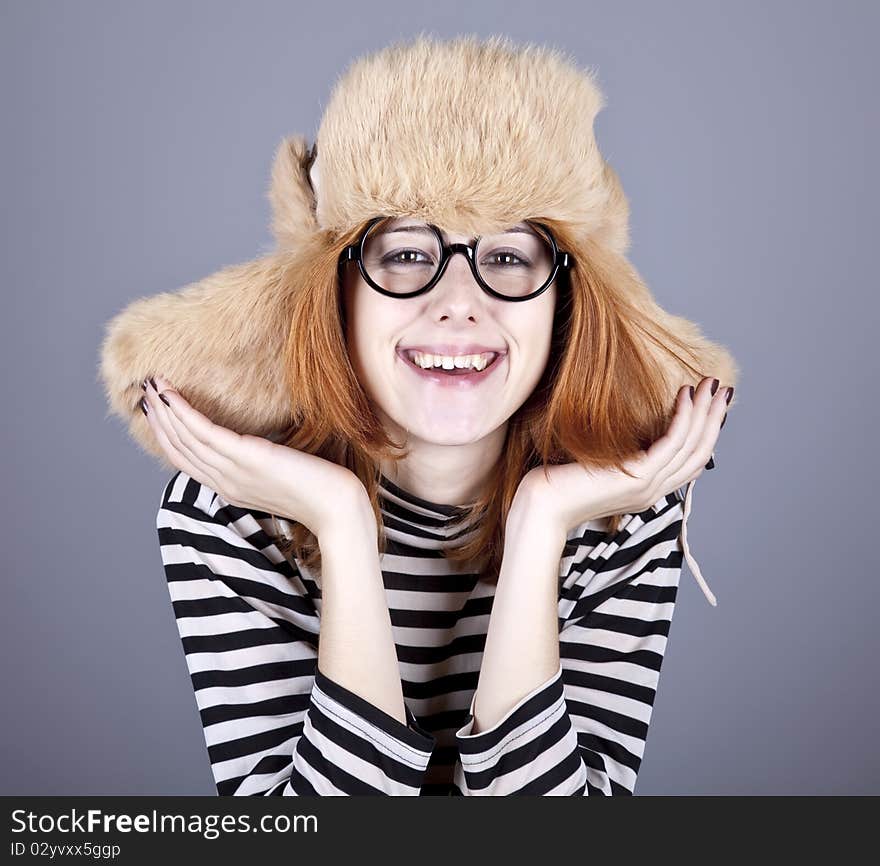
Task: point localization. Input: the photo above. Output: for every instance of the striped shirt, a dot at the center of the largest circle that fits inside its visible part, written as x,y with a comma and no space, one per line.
276,725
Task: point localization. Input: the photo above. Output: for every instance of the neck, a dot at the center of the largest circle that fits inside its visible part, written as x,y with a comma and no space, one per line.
446,474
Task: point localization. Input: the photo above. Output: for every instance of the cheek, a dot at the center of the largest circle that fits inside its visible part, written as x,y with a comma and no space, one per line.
372,328
361,317
532,330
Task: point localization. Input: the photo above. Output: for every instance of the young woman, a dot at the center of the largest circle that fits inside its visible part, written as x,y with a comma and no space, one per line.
423,536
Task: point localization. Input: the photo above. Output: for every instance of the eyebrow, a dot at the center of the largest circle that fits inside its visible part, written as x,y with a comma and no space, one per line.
519,228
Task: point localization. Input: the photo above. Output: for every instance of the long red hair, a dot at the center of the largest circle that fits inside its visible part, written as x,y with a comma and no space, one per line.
603,396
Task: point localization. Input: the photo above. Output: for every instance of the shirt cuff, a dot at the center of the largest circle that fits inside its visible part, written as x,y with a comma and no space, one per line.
541,706
532,750
345,704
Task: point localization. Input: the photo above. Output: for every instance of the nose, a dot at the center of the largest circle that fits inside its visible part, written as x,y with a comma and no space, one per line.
457,290
457,297
458,267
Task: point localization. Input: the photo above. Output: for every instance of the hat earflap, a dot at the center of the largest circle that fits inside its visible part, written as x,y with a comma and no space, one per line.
219,340
623,361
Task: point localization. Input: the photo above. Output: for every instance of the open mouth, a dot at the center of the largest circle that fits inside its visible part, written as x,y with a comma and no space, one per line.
461,370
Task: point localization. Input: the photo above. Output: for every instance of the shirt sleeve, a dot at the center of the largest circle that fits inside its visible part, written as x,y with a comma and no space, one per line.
274,723
583,731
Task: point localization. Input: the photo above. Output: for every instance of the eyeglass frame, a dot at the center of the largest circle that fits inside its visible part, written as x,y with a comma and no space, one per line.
355,251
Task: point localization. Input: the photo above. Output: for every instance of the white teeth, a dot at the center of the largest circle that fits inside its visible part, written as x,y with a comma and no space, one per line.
448,362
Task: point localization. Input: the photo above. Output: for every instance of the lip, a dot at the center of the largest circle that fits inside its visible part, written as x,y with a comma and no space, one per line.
461,380
452,349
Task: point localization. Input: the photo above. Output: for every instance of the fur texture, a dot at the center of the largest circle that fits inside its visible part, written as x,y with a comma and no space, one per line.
469,134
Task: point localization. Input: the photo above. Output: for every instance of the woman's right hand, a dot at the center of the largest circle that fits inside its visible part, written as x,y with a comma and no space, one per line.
250,471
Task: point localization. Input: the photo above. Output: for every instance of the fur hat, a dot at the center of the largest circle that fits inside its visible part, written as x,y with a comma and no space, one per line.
469,134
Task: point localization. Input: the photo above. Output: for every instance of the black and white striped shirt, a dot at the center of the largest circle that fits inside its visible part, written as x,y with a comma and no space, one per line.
275,725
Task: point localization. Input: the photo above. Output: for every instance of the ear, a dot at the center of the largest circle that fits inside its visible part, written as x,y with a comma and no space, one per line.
220,340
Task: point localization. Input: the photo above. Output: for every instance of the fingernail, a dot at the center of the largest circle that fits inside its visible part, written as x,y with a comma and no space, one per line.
691,391
143,404
714,386
722,421
711,463
153,383
144,385
729,394
164,399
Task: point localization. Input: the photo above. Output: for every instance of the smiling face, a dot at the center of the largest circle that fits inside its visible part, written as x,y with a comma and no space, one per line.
450,366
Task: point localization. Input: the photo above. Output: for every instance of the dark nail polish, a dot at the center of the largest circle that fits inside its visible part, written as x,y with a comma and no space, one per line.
164,399
711,463
144,385
153,383
722,421
691,391
715,384
143,405
729,394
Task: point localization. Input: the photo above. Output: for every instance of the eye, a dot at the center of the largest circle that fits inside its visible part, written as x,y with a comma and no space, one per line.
505,258
407,257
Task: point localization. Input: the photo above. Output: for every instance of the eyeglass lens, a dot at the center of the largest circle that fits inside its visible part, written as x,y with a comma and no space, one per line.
403,257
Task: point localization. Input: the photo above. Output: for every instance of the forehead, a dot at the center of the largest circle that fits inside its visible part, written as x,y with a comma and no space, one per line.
413,224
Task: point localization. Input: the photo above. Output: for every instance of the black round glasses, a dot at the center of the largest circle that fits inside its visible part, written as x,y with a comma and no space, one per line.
403,259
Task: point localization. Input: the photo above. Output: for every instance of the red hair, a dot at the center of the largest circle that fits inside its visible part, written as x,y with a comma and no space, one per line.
604,394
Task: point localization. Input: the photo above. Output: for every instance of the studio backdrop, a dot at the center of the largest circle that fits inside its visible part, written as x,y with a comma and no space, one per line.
190,184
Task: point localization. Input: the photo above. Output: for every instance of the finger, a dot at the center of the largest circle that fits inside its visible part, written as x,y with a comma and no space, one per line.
220,440
701,402
174,456
704,446
661,452
161,413
196,448
711,429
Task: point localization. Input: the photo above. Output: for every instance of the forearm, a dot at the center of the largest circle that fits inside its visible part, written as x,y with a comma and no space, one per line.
356,645
522,643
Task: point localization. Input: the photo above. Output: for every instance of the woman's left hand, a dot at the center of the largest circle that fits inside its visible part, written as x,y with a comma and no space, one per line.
566,495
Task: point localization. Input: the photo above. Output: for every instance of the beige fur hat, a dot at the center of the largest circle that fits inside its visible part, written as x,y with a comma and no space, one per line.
470,134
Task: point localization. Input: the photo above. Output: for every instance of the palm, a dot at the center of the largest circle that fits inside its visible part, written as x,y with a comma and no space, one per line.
248,470
570,494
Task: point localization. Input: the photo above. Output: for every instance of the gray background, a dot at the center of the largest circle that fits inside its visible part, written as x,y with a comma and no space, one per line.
137,143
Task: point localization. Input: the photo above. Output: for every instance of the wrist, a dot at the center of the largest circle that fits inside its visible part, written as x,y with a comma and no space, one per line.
351,518
531,516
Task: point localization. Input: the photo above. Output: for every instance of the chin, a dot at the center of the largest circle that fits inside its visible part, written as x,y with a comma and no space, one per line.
451,439
462,433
